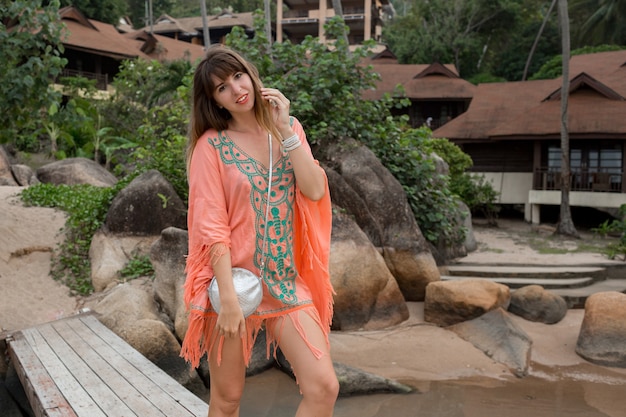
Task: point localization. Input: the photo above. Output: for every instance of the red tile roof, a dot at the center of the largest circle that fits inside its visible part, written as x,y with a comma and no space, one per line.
104,39
96,37
420,81
163,48
532,109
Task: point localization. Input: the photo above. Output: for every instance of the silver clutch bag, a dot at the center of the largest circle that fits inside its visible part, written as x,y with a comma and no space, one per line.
248,288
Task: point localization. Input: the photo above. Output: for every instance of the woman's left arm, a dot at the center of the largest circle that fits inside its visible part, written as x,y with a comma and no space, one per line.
310,177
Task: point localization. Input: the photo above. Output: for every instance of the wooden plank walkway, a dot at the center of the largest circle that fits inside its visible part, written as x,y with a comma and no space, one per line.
78,367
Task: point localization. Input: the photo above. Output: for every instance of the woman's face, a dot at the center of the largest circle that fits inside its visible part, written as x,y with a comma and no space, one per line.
235,93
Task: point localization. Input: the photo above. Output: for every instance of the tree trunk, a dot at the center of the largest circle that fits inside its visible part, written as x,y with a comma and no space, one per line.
536,42
268,24
339,12
566,224
205,25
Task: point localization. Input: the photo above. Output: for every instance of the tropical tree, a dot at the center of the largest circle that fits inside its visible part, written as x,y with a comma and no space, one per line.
604,23
31,57
536,42
108,11
565,225
451,31
137,11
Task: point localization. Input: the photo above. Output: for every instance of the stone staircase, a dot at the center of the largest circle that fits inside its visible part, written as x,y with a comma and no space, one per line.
574,283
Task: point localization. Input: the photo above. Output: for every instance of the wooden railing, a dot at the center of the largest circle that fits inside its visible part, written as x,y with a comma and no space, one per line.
580,180
102,80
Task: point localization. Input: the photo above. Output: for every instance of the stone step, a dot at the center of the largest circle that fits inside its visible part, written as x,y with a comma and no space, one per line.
526,272
518,282
576,297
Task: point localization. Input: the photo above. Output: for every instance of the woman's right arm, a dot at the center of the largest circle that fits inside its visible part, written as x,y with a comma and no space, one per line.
230,321
209,227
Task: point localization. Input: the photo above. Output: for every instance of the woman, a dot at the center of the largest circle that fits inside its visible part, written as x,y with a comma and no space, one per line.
233,120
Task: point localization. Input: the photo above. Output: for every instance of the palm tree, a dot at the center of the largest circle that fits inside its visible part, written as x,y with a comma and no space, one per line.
268,24
536,42
566,224
605,22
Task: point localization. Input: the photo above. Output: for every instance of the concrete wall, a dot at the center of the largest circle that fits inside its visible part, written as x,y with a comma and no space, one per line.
516,188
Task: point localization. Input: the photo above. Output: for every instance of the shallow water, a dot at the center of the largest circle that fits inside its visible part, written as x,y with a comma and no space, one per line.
275,394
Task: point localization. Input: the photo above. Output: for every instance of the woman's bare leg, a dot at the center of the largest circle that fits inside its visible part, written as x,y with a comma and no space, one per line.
316,377
227,379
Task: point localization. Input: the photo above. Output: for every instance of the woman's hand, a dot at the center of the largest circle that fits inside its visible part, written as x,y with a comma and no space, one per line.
279,105
230,320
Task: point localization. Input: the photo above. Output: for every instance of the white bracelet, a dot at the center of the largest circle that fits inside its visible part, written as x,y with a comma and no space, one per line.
291,143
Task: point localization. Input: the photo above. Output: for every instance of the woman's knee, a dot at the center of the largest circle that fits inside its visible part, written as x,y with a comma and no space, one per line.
323,389
226,400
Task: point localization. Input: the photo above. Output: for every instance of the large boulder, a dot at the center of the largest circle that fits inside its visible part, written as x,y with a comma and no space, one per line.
500,338
534,303
146,206
451,302
73,171
167,256
109,254
24,175
362,186
602,337
6,175
367,295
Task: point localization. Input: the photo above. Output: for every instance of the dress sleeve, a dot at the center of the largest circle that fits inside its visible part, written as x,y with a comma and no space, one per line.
207,218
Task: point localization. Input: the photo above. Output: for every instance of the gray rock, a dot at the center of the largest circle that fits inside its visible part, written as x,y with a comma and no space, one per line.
500,338
354,381
6,176
73,171
534,303
109,254
167,256
24,175
380,208
367,295
146,206
602,337
452,302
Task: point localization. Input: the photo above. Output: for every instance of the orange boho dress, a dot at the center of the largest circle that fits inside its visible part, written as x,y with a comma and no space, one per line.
227,200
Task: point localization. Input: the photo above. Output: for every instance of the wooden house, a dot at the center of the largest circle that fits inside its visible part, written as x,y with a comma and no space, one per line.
436,91
512,132
95,50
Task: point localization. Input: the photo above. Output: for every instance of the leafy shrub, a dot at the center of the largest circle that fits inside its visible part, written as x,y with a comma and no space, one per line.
615,227
86,206
138,266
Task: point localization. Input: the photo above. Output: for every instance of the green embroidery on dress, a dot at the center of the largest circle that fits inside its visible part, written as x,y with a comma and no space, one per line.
280,272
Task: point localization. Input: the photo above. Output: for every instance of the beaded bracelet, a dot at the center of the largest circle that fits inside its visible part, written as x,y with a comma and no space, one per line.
291,143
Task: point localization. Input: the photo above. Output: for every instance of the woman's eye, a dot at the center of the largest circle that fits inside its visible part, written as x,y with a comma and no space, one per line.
238,75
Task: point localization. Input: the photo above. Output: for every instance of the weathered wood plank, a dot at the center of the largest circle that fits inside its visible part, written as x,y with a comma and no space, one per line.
77,367
156,393
168,386
103,375
67,384
43,394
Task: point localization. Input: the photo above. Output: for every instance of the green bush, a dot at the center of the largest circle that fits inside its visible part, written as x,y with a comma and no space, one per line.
86,206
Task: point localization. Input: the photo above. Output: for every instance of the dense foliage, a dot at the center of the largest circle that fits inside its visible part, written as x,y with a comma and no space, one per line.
31,57
86,207
553,67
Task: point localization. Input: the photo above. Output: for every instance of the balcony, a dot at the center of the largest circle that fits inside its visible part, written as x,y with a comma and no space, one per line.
549,179
102,80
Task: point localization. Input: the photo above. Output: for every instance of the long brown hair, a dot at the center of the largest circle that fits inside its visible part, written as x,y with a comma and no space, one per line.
222,62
